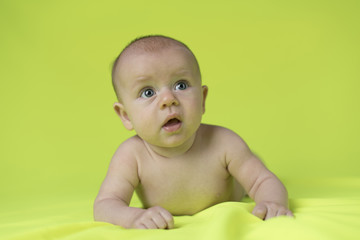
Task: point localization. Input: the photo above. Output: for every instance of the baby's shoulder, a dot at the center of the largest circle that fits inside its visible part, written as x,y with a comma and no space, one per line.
131,143
214,132
221,136
227,142
129,149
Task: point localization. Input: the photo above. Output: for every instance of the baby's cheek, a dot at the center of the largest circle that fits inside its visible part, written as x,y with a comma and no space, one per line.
195,116
141,124
146,122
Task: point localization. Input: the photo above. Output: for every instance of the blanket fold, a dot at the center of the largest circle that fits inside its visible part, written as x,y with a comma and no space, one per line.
327,218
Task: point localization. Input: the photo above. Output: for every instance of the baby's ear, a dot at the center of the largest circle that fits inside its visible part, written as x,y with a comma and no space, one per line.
204,92
120,111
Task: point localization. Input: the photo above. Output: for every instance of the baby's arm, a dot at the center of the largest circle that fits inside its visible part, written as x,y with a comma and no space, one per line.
261,185
112,202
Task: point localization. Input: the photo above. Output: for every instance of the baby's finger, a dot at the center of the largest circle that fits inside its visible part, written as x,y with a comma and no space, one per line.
281,212
271,212
260,211
141,226
289,214
159,221
169,219
149,224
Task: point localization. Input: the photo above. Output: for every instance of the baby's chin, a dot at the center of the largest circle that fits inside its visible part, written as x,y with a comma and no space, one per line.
171,142
174,143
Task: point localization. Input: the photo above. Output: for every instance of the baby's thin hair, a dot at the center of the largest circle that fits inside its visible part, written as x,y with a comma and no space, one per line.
148,43
151,43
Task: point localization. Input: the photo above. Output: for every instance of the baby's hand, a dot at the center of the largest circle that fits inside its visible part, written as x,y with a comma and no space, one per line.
266,210
154,218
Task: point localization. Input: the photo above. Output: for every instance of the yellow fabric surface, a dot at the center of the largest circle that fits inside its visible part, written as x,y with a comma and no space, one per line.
333,212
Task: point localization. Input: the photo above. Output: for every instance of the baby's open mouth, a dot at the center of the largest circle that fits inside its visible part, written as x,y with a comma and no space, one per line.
172,122
172,125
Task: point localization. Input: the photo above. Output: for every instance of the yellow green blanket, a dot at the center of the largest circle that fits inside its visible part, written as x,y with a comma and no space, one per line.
323,208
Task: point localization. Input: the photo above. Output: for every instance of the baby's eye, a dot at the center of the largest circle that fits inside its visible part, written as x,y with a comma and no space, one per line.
147,93
181,86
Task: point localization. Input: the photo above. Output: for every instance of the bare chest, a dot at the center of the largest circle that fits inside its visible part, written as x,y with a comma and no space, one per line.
184,187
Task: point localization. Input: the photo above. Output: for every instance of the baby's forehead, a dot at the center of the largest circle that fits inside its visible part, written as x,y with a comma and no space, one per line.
155,65
131,55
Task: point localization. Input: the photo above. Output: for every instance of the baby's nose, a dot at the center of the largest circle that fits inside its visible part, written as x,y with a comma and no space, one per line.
167,99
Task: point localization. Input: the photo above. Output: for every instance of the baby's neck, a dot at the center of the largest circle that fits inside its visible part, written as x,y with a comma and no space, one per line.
171,152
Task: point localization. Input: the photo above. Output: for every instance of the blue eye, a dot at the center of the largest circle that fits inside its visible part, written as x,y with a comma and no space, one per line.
181,86
147,93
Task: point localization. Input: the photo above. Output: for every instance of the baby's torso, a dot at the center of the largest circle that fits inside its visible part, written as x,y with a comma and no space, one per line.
185,186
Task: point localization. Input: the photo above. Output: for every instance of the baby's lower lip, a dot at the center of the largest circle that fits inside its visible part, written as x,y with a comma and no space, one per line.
172,126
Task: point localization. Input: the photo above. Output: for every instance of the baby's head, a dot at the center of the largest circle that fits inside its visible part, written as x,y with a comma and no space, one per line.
146,44
157,81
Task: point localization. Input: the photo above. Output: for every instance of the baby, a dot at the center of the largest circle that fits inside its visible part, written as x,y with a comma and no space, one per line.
176,165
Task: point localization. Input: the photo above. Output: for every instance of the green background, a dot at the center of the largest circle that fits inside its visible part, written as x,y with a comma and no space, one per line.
284,75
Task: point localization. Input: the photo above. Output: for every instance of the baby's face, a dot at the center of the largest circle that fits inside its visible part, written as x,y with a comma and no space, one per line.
162,96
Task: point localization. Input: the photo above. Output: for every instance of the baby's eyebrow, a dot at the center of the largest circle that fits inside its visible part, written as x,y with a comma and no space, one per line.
182,72
140,80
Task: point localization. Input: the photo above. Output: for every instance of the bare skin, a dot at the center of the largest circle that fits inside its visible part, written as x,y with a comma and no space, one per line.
177,165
